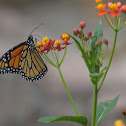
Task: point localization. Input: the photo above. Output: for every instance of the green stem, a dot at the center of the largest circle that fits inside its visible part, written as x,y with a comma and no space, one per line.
125,120
68,93
109,21
122,25
110,60
49,61
106,51
94,105
64,55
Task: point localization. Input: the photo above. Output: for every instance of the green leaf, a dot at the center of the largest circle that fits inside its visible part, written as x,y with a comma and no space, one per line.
102,73
92,59
94,75
77,119
105,107
98,34
82,51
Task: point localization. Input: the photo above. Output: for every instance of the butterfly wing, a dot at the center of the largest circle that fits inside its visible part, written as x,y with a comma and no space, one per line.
32,66
25,60
9,62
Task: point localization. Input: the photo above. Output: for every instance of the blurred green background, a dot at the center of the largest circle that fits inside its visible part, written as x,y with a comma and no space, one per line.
22,102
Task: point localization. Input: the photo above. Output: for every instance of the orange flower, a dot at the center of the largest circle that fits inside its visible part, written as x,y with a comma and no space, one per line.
114,10
114,13
45,41
65,37
98,1
101,8
113,6
47,45
58,43
123,8
42,49
39,44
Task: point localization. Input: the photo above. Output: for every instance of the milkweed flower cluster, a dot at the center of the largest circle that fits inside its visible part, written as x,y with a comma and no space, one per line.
46,45
113,9
49,44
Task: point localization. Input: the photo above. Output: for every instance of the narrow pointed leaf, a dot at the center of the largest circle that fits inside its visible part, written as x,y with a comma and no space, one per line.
82,51
77,119
98,34
105,107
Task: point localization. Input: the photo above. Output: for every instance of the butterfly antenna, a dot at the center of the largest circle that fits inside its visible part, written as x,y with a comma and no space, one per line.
38,36
36,28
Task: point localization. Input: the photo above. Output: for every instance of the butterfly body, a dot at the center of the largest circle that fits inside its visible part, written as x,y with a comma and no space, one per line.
24,59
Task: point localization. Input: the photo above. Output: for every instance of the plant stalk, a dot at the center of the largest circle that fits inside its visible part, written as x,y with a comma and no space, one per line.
125,120
94,105
68,93
110,60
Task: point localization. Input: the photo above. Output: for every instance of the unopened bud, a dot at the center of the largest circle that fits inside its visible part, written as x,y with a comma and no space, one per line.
86,37
98,42
79,35
75,31
86,51
109,4
105,41
82,24
80,31
89,33
119,4
123,8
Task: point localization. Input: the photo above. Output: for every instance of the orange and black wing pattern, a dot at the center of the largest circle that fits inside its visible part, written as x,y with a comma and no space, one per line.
25,60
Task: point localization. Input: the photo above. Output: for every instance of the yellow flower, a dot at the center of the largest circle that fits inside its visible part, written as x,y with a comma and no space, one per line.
118,123
45,41
57,42
98,1
65,36
100,6
113,6
39,44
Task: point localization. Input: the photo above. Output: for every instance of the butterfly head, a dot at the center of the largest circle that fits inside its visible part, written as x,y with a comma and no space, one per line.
30,42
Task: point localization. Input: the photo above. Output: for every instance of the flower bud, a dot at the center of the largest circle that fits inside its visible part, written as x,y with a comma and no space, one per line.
109,4
75,31
82,24
123,8
119,4
97,59
79,35
105,41
97,43
86,51
86,37
89,33
80,31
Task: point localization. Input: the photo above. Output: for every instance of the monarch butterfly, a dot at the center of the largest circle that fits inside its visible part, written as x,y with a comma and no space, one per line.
25,60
